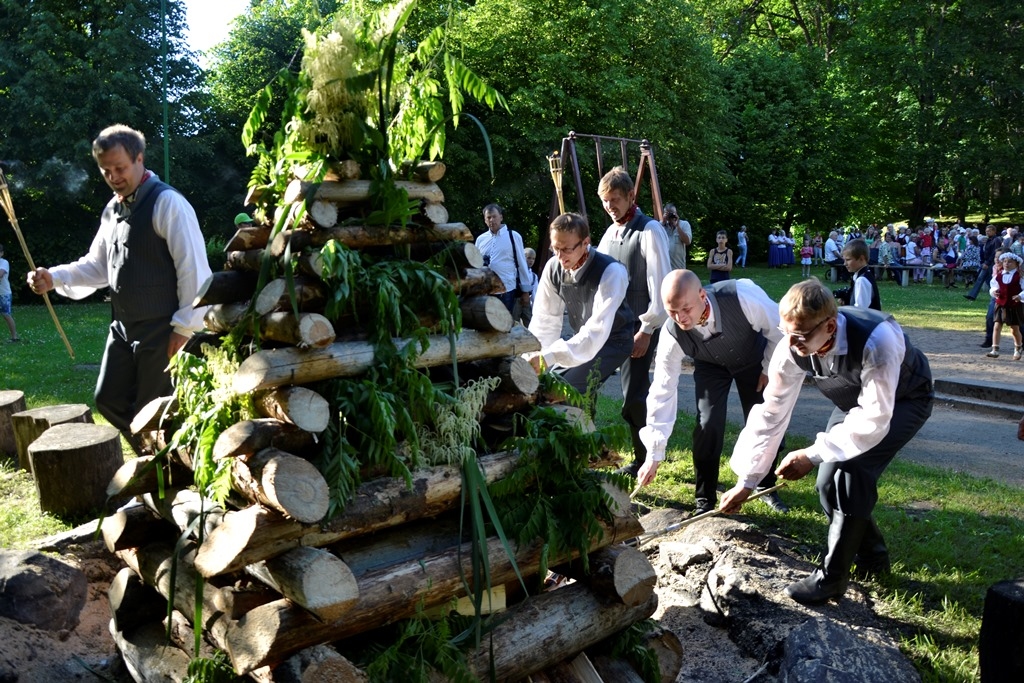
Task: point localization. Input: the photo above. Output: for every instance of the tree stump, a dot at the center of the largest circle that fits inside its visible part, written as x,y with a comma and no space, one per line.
29,425
1001,644
10,402
72,465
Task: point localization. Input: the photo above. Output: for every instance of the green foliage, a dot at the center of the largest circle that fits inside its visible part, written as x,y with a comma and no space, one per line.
215,670
209,405
553,495
456,427
421,646
631,645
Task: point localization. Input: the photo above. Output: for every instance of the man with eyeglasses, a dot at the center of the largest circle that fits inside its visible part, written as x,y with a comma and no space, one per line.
639,243
730,330
679,234
591,286
882,389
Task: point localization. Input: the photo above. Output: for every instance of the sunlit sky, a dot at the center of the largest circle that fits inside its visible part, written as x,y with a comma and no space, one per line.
210,20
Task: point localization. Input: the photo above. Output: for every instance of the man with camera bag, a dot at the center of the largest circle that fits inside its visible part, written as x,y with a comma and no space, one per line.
503,253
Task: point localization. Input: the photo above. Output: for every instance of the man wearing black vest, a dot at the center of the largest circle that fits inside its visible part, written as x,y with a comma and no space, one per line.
640,244
591,286
150,252
730,330
882,389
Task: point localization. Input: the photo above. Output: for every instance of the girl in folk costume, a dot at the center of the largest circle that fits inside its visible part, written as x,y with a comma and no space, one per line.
806,256
1007,289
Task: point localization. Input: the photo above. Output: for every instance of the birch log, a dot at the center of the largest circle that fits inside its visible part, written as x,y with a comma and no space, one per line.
298,406
249,436
255,237
311,578
356,191
282,482
254,534
310,295
276,367
486,314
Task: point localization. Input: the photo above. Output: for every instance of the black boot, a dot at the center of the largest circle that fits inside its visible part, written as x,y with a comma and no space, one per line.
873,556
829,581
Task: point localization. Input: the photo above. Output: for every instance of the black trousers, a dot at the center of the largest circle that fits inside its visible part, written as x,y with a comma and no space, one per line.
611,356
711,384
851,486
635,376
133,371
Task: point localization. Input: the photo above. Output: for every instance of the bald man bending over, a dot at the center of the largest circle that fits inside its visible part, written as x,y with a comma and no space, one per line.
730,329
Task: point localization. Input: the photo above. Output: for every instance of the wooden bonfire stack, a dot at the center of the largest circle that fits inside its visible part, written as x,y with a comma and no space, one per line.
280,581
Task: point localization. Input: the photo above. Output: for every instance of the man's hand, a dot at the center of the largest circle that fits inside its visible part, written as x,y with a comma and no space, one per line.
175,343
733,499
641,341
40,280
795,466
648,471
524,298
535,362
762,382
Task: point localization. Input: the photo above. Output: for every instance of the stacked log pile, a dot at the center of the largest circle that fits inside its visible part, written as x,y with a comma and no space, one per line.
279,581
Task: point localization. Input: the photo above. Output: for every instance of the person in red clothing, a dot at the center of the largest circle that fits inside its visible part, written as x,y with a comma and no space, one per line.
1006,288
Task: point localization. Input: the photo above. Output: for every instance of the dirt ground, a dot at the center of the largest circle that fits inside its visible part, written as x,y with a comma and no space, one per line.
31,656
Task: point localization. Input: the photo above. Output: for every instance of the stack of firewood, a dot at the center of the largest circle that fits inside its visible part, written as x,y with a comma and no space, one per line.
279,580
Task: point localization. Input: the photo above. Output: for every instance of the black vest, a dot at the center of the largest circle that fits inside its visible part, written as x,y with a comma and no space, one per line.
843,385
626,250
736,346
143,278
579,297
867,273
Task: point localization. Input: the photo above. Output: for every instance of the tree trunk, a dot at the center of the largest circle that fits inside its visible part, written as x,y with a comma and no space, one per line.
486,314
618,573
669,649
477,282
323,214
318,664
299,406
551,627
72,465
254,534
457,257
365,236
310,295
10,402
1001,643
29,425
249,436
311,578
225,287
276,367
157,414
148,656
282,482
618,670
255,237
579,669
357,191
434,214
423,171
141,475
246,260
503,403
346,169
309,330
132,526
270,633
132,602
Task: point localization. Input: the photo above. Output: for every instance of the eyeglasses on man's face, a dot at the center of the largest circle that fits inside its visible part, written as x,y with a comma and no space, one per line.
562,251
801,337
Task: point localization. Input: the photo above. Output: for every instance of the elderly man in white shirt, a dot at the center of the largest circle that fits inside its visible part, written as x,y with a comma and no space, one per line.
882,389
503,253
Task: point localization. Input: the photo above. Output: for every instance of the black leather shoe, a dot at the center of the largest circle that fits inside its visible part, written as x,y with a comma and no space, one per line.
773,501
871,568
986,345
703,506
631,469
816,589
969,298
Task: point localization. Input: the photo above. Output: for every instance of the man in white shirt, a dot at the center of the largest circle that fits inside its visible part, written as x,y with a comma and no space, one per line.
640,244
503,253
834,256
730,329
882,388
150,252
591,286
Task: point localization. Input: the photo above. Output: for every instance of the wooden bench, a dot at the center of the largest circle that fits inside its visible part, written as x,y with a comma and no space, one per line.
904,272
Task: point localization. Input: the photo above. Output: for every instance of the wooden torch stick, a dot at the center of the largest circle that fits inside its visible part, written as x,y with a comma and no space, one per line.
555,166
5,199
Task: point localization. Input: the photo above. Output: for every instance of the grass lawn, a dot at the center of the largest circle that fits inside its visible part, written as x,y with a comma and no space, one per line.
952,535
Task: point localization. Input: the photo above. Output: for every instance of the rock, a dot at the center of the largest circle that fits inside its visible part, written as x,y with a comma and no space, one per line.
41,591
824,650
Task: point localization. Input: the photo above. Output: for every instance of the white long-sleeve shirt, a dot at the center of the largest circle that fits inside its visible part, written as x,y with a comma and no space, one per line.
497,248
762,315
654,249
546,324
175,221
863,427
862,292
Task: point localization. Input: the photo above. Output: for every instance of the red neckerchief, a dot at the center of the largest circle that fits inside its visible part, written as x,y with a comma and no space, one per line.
579,264
705,315
145,176
630,214
820,353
